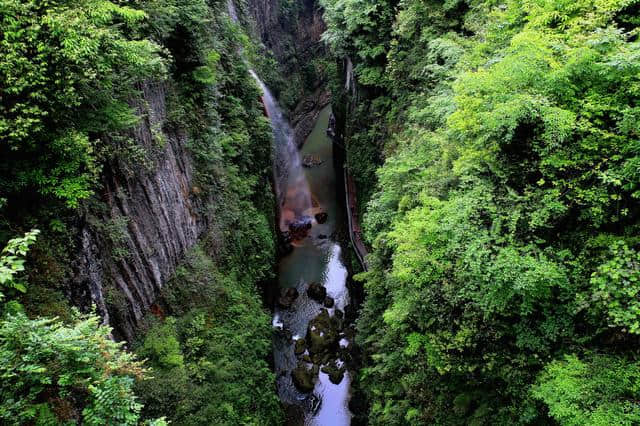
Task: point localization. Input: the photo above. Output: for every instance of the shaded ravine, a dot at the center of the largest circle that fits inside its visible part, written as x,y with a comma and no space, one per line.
310,219
315,259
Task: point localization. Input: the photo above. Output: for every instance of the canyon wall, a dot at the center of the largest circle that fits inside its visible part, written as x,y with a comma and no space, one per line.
149,212
150,218
292,32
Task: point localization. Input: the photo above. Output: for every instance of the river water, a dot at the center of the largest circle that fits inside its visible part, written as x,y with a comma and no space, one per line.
315,258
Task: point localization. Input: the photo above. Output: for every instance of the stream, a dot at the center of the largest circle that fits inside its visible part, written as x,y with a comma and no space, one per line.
315,260
315,257
312,340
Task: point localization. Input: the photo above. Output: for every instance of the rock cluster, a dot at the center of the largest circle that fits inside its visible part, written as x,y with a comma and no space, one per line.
303,377
320,351
335,372
317,292
322,334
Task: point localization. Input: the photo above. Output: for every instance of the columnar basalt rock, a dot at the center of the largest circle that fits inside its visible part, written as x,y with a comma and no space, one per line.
161,217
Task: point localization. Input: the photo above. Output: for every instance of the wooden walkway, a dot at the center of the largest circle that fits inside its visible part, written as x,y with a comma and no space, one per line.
355,232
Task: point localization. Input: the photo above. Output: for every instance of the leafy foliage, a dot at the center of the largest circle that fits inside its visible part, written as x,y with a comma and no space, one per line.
210,361
615,286
54,373
598,390
73,70
12,261
504,221
68,69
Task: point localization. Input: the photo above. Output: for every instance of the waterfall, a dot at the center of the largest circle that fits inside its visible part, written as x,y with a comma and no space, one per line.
292,188
231,9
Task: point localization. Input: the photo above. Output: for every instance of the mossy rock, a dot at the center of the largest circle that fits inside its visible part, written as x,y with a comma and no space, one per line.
336,374
317,292
300,346
329,302
303,378
322,333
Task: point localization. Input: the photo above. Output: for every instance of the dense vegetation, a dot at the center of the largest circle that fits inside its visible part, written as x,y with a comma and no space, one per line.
209,359
497,153
60,373
503,137
72,74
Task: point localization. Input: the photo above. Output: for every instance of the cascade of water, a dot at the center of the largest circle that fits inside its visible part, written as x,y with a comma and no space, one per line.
314,260
292,188
291,183
231,9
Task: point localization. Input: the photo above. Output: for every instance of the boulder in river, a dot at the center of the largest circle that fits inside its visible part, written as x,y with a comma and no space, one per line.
285,236
328,302
322,334
350,313
286,249
300,346
303,378
311,161
317,292
287,297
322,217
285,245
336,374
299,228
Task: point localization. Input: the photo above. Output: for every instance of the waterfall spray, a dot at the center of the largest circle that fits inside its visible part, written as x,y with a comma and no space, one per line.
294,196
292,189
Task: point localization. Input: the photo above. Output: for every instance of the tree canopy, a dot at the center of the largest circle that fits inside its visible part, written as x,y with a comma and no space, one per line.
504,221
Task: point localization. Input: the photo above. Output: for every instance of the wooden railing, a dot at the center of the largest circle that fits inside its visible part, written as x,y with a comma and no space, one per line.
355,232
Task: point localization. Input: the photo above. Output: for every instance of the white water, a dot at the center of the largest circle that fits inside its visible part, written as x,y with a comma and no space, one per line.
292,187
320,260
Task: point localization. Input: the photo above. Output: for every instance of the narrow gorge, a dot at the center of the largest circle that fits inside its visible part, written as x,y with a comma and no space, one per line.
319,212
173,234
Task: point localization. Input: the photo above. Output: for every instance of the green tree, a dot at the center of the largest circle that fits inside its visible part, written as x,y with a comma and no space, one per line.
596,390
55,373
68,70
504,222
12,259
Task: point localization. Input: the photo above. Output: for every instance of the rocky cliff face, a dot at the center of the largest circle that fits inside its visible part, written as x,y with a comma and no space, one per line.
149,212
149,220
292,31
